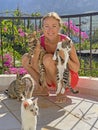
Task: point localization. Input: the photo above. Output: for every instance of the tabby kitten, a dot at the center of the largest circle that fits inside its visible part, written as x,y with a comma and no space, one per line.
16,88
62,68
32,43
29,113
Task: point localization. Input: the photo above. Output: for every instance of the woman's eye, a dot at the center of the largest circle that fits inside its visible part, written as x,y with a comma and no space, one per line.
54,26
46,26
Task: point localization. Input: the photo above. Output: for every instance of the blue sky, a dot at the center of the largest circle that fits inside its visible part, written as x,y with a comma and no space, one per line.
10,4
44,6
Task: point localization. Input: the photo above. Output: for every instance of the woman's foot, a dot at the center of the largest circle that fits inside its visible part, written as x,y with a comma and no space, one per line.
61,98
40,91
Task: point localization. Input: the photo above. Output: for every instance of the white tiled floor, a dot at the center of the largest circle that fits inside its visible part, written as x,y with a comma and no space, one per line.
79,113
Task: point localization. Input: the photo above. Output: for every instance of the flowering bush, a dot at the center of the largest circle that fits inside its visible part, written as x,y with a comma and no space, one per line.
74,30
14,37
14,41
20,70
8,65
7,60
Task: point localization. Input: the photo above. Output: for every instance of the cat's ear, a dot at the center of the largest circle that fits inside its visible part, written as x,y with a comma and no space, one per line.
22,97
36,100
18,76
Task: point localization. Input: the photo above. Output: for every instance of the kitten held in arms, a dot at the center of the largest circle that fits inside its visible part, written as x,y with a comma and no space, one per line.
29,113
62,67
33,41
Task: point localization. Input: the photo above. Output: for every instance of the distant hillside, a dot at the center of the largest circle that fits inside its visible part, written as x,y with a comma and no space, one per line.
43,6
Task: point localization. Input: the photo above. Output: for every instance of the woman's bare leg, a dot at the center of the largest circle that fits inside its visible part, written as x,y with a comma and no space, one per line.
39,90
50,68
29,68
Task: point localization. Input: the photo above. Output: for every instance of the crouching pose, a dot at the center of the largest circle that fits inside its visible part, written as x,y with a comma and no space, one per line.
51,25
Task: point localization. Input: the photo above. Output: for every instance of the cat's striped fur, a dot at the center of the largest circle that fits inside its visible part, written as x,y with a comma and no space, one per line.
22,86
32,43
16,88
62,68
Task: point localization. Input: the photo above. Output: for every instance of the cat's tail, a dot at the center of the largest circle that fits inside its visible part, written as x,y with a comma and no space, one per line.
73,91
29,85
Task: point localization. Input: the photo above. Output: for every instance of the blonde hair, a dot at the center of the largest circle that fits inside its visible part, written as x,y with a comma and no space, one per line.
53,15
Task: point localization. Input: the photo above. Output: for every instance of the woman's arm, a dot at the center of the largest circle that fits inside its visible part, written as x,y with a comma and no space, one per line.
73,62
35,58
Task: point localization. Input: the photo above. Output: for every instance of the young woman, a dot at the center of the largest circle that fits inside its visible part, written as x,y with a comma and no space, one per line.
51,25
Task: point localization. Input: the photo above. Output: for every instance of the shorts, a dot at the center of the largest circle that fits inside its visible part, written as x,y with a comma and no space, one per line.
74,80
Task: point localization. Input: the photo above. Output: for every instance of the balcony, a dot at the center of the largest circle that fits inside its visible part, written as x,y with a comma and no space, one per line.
80,112
87,49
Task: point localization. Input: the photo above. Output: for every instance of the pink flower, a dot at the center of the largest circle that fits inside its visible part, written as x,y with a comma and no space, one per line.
13,70
75,30
5,29
22,34
20,70
7,60
84,35
20,30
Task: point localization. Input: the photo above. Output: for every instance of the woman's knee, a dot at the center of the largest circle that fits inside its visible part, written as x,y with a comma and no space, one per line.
47,60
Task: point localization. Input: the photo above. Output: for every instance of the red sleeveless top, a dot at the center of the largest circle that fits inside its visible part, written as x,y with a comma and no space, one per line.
42,39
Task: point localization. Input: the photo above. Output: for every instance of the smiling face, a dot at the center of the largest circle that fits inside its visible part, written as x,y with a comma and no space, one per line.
51,27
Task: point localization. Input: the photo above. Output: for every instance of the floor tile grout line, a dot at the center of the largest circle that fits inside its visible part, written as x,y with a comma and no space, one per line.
94,124
70,112
11,112
83,116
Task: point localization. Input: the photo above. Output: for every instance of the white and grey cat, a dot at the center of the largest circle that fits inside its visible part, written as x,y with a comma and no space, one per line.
62,68
29,113
29,105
